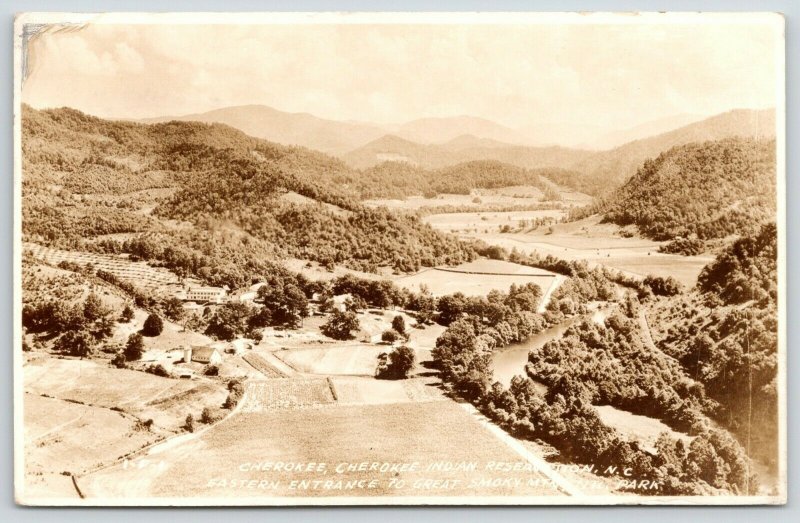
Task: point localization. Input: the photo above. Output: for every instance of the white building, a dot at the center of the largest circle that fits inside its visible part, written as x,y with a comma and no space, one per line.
206,294
208,355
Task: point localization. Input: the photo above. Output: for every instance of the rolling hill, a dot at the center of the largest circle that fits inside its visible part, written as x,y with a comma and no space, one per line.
439,130
303,129
614,139
458,150
618,164
204,199
708,190
434,143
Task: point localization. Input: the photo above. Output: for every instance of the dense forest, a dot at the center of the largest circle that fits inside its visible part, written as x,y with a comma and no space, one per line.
87,178
726,337
702,190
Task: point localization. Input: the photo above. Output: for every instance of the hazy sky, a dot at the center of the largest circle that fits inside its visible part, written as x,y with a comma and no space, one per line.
612,76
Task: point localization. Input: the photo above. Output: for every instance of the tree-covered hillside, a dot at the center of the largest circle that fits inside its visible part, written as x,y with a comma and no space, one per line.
85,178
402,179
708,190
616,165
438,156
726,337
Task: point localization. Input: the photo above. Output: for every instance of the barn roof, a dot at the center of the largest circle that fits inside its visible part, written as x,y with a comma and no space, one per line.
203,353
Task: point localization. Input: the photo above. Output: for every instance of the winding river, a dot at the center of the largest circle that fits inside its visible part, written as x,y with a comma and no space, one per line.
511,360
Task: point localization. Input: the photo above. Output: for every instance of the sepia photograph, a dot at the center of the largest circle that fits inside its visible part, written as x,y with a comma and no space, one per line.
399,259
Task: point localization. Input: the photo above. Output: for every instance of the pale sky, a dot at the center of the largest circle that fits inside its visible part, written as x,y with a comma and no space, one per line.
612,76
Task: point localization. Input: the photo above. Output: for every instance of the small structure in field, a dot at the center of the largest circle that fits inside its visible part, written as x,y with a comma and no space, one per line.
206,355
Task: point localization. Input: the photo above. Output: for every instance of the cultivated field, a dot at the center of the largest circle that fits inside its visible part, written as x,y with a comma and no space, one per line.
154,279
219,462
287,393
352,359
262,365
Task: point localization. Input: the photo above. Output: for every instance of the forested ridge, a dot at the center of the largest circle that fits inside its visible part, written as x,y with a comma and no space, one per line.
85,177
400,179
703,190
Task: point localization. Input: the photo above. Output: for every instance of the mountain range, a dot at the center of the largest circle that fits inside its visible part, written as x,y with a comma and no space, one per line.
601,170
341,136
433,143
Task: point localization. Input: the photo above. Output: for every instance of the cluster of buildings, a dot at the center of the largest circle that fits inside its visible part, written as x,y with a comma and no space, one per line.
217,295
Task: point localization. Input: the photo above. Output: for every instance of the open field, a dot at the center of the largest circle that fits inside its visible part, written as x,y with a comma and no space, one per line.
516,196
476,278
685,269
164,400
352,359
154,279
487,221
293,197
355,390
601,244
633,427
316,272
512,196
64,438
172,337
421,433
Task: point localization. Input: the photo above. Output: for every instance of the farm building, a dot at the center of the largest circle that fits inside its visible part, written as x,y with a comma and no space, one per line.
244,296
206,294
208,355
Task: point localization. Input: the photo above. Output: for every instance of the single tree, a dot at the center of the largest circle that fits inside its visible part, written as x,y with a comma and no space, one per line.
134,348
390,336
340,325
395,365
399,324
79,343
189,425
119,360
93,308
153,325
173,309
